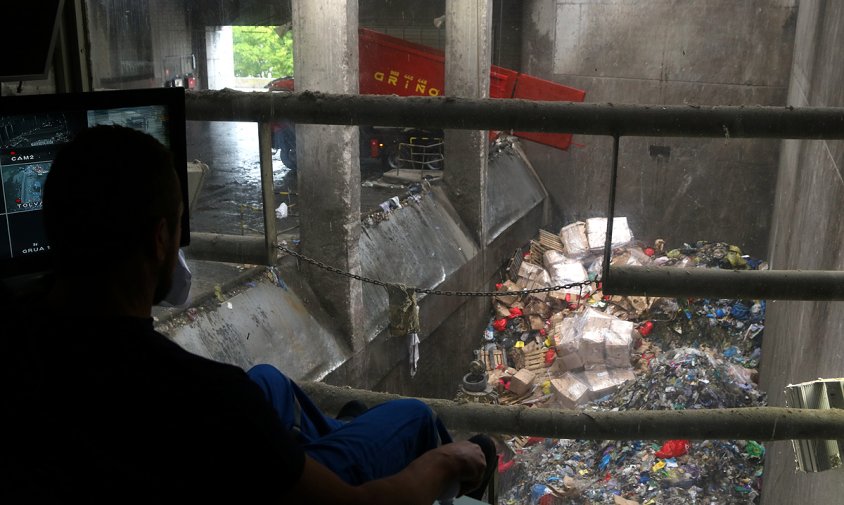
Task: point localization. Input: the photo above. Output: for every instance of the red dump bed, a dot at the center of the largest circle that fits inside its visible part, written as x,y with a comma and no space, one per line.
392,66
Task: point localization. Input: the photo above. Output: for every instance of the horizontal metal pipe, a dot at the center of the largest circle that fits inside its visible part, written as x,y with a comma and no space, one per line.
246,249
754,423
651,281
520,115
719,283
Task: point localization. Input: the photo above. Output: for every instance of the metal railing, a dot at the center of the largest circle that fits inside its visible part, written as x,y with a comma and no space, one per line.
764,423
749,423
585,118
520,115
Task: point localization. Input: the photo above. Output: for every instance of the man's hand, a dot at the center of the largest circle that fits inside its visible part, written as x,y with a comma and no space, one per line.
422,482
471,461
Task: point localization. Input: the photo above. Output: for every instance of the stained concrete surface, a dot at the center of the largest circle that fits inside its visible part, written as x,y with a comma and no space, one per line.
803,339
674,52
423,244
230,201
427,245
266,323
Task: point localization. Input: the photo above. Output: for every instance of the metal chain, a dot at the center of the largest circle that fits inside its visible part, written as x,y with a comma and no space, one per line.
350,275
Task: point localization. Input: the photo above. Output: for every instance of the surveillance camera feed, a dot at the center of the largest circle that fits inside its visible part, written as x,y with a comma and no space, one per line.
28,144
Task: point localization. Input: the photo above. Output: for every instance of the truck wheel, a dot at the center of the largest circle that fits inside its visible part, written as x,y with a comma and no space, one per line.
391,158
287,148
434,165
288,157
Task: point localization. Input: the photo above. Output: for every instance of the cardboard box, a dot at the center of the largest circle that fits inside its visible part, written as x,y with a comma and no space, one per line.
530,271
562,271
591,317
536,322
569,336
618,343
539,308
522,382
501,310
569,391
508,300
600,382
641,304
595,326
574,239
533,277
618,500
622,375
591,347
596,232
517,358
568,355
567,363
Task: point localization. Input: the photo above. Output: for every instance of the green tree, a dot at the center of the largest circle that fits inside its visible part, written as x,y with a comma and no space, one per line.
260,52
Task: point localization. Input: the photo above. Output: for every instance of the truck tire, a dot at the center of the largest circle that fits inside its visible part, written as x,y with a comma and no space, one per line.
287,148
434,165
391,158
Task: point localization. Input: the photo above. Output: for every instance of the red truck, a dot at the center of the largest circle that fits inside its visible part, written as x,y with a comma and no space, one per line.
392,66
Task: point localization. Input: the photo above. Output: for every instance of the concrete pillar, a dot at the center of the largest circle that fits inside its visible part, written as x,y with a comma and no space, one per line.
325,56
199,47
468,35
220,51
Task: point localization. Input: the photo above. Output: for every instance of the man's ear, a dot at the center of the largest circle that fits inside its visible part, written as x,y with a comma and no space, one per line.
161,240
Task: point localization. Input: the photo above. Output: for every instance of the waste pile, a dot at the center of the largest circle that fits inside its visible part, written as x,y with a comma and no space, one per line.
577,348
624,472
686,378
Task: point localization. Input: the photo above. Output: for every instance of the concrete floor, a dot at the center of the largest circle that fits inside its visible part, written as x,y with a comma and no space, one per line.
230,199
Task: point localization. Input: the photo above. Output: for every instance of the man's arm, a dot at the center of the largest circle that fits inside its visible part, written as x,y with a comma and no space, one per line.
422,482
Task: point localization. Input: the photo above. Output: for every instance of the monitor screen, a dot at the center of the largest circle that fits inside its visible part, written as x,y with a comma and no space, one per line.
29,37
33,129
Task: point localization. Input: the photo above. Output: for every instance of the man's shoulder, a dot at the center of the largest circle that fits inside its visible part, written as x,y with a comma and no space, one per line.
140,344
125,349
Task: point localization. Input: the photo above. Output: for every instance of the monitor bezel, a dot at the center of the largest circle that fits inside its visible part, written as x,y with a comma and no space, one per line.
172,98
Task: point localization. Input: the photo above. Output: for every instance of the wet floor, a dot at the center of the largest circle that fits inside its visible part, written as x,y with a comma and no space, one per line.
230,200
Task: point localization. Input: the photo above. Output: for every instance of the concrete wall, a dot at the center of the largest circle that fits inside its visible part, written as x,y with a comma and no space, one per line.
171,30
407,19
426,245
414,21
803,339
718,52
423,244
267,323
133,42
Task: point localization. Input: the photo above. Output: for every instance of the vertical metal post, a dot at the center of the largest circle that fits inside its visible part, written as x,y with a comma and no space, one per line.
605,274
268,191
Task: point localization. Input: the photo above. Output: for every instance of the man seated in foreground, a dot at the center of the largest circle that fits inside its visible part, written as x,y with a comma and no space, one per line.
101,407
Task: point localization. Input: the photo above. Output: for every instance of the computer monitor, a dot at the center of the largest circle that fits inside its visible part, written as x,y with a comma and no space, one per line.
28,38
33,129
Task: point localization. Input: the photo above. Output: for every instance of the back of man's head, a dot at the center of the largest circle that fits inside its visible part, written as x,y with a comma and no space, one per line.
105,192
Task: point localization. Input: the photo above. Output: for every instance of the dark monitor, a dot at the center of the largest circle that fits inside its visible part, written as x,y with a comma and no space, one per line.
33,129
28,37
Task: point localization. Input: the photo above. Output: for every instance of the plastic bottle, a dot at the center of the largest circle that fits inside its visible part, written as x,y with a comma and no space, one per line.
537,492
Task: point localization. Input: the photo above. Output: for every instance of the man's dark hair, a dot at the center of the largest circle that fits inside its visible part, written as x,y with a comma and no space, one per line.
104,194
